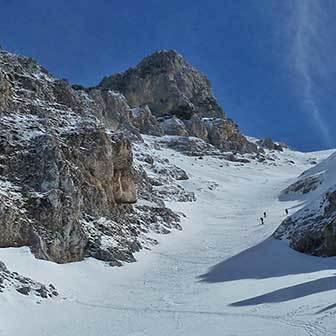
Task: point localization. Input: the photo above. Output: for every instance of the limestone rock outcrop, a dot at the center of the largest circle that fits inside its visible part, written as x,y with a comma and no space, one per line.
181,98
67,180
143,119
168,85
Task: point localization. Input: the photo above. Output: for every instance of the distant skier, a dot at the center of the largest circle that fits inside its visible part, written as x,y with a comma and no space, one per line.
286,210
262,220
264,214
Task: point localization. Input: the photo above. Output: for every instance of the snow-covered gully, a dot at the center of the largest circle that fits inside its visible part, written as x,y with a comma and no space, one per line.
221,275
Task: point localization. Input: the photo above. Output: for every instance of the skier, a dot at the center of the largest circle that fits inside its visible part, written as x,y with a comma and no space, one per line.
262,220
286,210
264,214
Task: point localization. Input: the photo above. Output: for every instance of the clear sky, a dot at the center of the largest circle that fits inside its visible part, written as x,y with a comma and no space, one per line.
271,62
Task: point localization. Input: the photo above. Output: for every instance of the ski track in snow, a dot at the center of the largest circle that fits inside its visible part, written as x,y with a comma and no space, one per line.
222,275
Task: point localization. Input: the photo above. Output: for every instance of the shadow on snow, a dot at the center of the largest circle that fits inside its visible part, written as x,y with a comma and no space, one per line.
292,292
270,259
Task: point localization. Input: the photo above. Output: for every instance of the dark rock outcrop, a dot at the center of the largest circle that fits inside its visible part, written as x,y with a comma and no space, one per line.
24,285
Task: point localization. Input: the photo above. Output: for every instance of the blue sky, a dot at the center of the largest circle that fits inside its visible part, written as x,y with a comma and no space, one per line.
271,62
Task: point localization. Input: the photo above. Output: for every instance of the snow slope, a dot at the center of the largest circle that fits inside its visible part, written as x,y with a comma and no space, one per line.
221,275
315,180
312,228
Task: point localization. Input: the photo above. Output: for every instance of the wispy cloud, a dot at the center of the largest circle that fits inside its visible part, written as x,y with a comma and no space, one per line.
308,30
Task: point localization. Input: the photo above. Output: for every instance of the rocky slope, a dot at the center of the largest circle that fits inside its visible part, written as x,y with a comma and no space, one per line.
180,98
23,285
67,179
313,228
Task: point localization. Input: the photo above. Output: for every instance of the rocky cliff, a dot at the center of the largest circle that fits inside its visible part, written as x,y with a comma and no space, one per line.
69,186
67,178
168,85
180,98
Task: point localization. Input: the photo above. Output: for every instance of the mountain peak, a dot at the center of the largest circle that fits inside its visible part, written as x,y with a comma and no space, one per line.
163,58
168,84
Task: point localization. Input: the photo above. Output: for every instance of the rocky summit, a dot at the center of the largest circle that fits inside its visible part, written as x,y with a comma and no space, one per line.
180,98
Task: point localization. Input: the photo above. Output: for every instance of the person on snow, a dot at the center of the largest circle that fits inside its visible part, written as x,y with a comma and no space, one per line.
286,210
262,220
264,214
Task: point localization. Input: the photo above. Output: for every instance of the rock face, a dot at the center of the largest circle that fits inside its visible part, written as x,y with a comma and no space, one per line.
58,165
111,108
180,97
173,126
168,85
145,122
81,173
67,179
224,134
